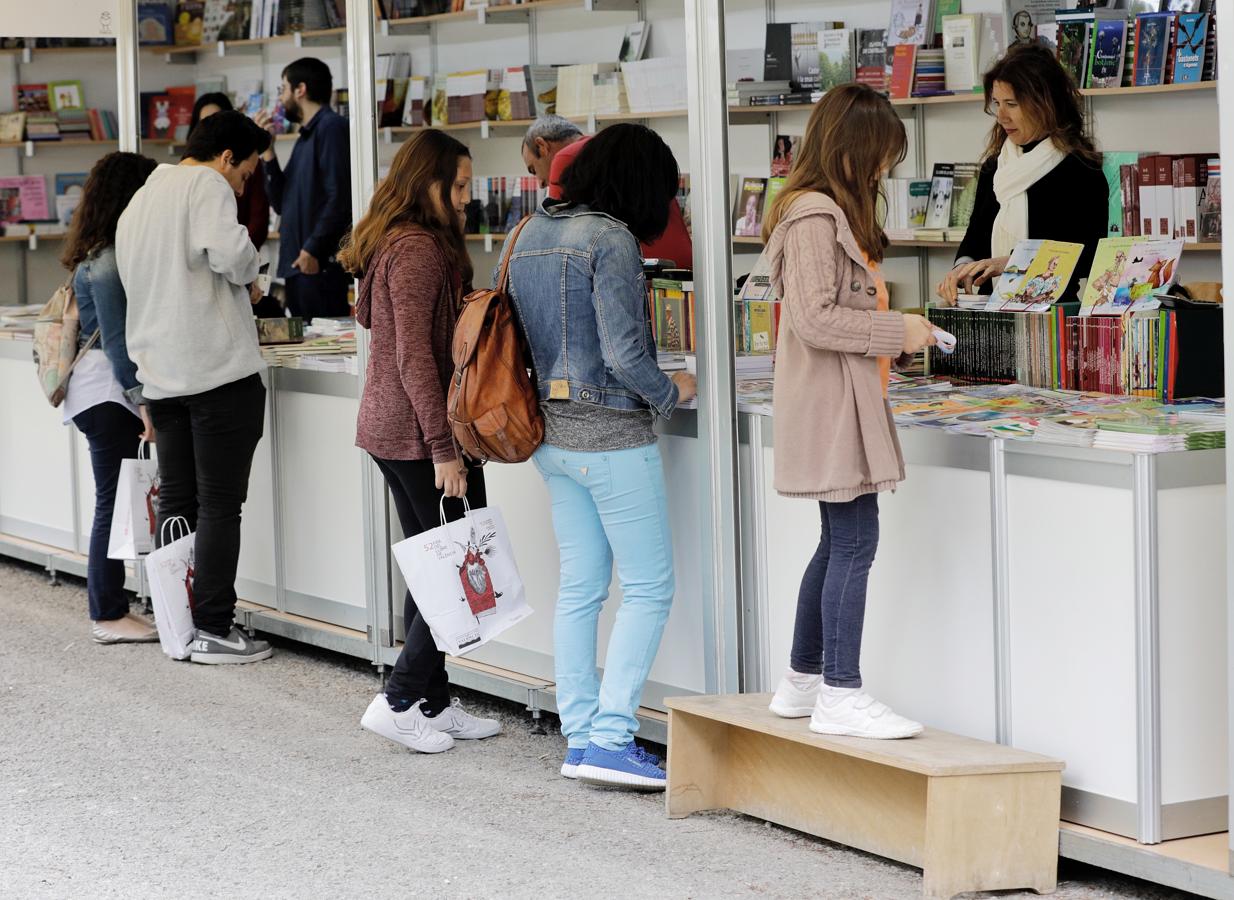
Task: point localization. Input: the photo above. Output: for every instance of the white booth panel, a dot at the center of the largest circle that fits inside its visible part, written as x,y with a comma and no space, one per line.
1071,558
255,578
36,490
323,537
927,648
84,488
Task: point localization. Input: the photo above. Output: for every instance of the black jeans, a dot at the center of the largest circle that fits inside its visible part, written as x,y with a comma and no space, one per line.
206,443
323,294
831,606
420,672
113,434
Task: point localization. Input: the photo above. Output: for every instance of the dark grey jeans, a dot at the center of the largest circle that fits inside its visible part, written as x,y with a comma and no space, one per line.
831,605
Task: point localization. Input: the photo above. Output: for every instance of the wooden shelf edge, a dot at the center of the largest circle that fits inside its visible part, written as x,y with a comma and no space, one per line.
177,49
1209,247
1152,89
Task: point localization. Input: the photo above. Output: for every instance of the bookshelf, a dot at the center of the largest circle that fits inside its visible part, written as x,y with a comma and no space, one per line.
505,14
220,48
757,244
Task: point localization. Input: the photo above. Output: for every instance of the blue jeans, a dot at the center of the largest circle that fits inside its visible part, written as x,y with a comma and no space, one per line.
831,605
606,506
112,433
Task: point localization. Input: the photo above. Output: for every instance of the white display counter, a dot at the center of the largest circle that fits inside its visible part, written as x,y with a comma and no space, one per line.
1067,601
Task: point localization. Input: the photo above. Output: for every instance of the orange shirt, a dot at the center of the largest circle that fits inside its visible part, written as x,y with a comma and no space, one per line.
884,304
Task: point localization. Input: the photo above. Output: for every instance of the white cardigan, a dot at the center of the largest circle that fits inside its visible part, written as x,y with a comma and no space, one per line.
185,261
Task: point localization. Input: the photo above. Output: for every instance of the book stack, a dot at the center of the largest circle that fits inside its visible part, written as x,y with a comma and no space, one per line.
756,316
929,74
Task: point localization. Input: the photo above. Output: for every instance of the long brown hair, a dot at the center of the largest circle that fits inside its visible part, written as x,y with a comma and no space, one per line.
852,136
108,189
1049,97
416,192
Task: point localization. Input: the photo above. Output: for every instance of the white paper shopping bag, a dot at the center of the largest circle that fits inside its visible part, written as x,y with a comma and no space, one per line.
169,570
464,579
133,518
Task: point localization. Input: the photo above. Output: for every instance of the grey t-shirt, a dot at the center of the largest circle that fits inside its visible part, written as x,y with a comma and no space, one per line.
588,428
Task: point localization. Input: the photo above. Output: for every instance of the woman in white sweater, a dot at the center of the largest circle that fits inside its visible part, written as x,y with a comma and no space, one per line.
185,260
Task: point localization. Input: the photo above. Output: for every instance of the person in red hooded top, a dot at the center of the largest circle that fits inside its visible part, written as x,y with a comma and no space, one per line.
551,145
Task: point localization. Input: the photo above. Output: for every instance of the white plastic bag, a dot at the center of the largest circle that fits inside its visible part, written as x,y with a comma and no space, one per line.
169,570
464,579
133,518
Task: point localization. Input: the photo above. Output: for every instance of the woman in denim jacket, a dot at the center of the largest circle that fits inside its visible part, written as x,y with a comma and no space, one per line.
576,280
104,392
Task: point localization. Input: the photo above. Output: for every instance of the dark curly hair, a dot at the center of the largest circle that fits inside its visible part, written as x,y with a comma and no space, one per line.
1047,94
222,101
629,173
111,185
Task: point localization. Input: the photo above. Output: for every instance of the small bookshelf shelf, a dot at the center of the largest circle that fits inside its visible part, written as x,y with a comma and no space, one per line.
40,145
25,238
743,242
523,124
940,100
1154,89
505,14
299,38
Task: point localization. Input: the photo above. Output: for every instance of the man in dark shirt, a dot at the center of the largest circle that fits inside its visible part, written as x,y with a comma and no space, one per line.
313,195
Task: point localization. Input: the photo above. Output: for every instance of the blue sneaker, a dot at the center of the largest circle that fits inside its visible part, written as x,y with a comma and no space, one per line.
629,767
574,756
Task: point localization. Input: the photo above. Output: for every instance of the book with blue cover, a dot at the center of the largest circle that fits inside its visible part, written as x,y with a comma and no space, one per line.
1152,45
1109,40
1189,47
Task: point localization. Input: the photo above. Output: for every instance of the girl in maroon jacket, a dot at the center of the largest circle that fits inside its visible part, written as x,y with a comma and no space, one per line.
410,254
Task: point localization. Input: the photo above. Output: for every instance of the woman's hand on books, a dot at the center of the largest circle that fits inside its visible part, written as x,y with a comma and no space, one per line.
969,277
687,386
452,478
918,333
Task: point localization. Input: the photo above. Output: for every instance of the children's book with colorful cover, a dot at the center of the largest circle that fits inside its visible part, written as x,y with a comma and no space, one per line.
26,199
1109,40
1127,272
66,95
1007,283
161,127
1189,45
748,210
31,98
1152,44
910,22
69,189
1045,278
782,155
190,22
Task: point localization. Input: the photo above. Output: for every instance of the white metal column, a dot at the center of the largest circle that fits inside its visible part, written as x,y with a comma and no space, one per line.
717,412
1225,115
128,120
362,109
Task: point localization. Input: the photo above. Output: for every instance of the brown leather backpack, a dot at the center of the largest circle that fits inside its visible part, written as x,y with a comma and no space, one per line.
493,407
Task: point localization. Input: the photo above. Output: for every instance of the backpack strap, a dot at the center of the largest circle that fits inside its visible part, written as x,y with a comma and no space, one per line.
503,282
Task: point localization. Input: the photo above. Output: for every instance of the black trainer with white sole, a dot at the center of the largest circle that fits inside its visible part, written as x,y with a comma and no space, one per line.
237,647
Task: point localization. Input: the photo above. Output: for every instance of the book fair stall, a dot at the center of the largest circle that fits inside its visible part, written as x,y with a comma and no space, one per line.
1060,573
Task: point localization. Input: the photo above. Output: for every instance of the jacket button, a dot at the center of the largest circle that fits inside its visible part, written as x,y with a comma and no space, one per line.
584,395
871,291
855,286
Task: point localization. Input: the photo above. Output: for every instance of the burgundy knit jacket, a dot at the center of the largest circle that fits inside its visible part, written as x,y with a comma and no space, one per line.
409,300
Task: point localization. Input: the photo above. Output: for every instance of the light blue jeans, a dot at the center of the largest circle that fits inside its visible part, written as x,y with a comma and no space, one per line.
605,506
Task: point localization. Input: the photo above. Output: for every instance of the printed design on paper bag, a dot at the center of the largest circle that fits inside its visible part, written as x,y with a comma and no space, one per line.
478,588
151,495
190,572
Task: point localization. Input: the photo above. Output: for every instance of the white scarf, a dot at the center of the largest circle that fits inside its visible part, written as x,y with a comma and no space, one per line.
1017,172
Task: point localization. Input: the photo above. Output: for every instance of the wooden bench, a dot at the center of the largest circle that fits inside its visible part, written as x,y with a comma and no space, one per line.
974,816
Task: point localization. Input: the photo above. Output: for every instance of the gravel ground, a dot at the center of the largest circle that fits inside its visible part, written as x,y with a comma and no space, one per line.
123,774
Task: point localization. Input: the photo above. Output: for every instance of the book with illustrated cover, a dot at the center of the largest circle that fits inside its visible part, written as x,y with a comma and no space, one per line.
782,155
239,23
942,183
1108,52
154,23
1045,278
1074,32
514,100
673,318
69,189
215,16
542,84
1127,272
1152,43
190,21
1210,204
909,23
748,209
1189,46
161,128
963,194
1029,21
65,95
872,58
634,43
12,127
31,98
1007,283
26,199
791,53
835,58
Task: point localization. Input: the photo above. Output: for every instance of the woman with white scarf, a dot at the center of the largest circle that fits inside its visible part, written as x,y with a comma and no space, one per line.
1041,176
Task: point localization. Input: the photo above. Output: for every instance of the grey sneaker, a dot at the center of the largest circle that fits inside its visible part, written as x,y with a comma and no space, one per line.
237,647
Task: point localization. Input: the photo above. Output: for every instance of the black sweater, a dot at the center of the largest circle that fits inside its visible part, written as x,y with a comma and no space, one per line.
1069,203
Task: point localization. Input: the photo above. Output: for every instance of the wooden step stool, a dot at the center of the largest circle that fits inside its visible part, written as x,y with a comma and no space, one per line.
974,816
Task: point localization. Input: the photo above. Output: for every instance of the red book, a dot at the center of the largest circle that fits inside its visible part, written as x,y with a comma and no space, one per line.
1163,203
1147,167
1129,181
182,99
903,64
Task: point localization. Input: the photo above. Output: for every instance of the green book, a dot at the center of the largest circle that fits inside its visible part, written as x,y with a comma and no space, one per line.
1111,163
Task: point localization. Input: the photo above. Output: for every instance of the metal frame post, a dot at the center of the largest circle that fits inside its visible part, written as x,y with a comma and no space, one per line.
359,44
1225,125
717,409
1000,545
128,54
1147,649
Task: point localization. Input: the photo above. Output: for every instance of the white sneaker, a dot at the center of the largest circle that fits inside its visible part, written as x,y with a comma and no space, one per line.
853,712
458,723
410,728
795,695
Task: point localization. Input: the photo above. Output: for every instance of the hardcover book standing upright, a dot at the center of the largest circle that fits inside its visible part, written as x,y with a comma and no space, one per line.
903,65
1189,47
1152,42
1108,50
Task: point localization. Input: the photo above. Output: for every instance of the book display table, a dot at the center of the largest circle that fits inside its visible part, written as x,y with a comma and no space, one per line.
1066,601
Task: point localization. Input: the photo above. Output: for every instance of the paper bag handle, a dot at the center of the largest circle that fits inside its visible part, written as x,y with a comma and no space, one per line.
147,447
441,509
183,529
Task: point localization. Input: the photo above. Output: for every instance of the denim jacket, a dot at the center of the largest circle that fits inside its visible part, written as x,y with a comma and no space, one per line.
576,281
102,304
